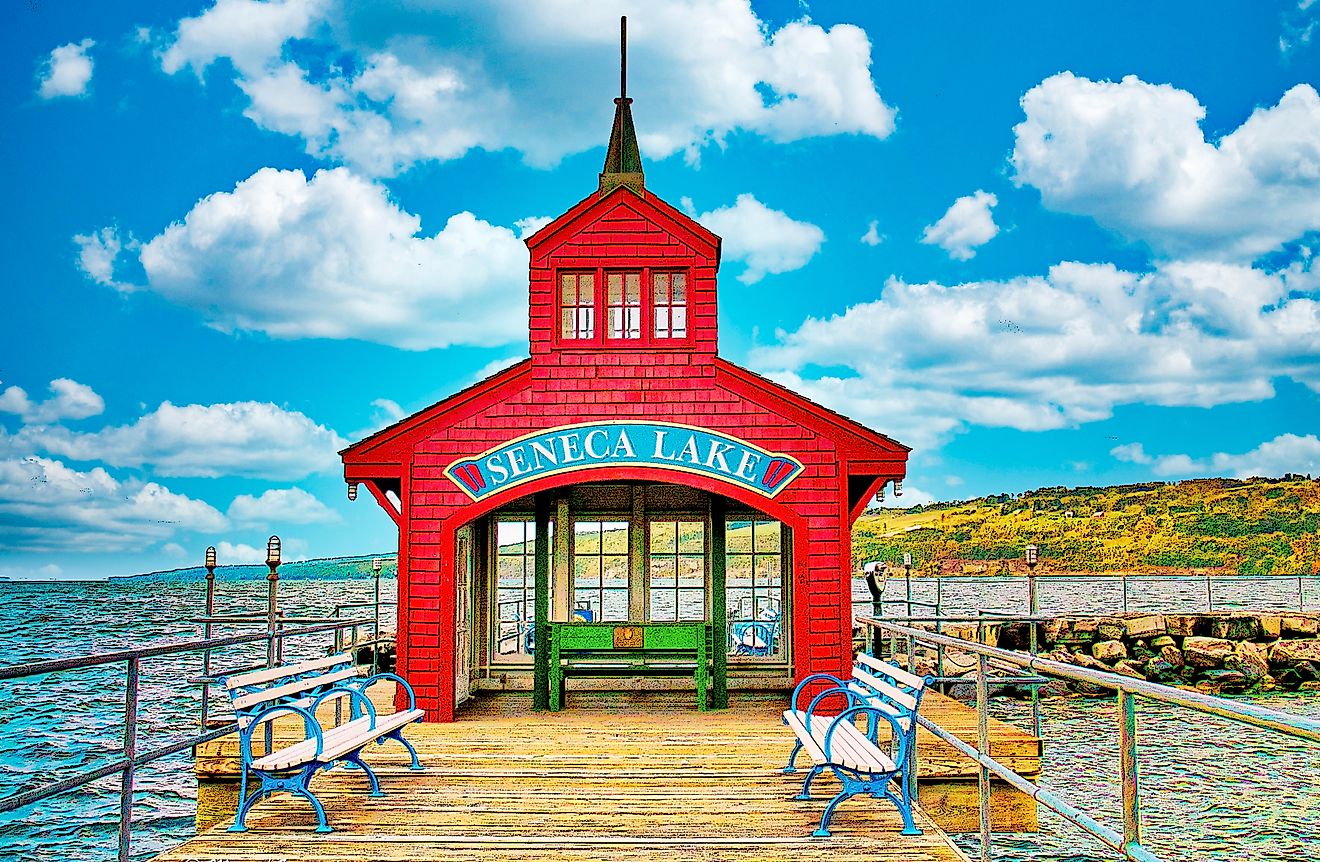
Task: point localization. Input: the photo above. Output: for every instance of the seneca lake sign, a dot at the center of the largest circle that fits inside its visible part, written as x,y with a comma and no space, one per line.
663,445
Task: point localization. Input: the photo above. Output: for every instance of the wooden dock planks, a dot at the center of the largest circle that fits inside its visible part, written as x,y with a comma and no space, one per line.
627,778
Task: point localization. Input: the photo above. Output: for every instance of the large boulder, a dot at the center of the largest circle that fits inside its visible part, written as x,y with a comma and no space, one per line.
1128,667
1206,652
1109,651
1295,650
1110,628
1271,626
1083,659
1142,651
1222,682
1159,670
1250,660
1172,655
1299,626
1180,625
1144,626
1161,642
1236,627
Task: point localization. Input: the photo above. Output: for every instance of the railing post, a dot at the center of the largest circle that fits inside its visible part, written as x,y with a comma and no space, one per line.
1127,740
1300,606
939,617
983,746
130,753
1123,577
375,647
1209,597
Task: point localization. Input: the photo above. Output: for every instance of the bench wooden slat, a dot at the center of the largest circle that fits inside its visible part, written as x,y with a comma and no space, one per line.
849,746
290,689
893,671
257,677
900,697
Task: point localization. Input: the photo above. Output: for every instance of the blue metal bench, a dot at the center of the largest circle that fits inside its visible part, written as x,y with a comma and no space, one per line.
300,689
828,731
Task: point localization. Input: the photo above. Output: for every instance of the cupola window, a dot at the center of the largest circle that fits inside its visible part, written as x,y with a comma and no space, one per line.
623,304
670,306
577,305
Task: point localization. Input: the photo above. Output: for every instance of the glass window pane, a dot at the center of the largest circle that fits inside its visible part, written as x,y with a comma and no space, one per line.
738,537
588,600
634,316
663,537
511,572
586,288
680,322
692,572
614,537
662,322
614,288
663,607
662,288
633,287
767,536
739,604
568,290
566,323
586,571
614,570
680,288
767,570
664,573
509,536
691,537
616,606
691,604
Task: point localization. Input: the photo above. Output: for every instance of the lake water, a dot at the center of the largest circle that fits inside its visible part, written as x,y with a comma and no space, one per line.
1212,791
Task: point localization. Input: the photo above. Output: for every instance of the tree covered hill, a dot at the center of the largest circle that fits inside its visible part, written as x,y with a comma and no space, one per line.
1250,527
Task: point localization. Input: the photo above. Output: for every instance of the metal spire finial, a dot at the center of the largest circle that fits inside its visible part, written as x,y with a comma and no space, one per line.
623,161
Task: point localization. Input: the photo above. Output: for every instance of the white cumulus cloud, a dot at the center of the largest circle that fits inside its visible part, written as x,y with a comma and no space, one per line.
381,88
966,226
67,71
68,399
873,237
1133,156
280,506
769,241
334,257
245,438
924,361
47,506
1286,453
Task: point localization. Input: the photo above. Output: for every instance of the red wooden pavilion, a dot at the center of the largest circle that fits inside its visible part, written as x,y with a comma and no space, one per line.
640,475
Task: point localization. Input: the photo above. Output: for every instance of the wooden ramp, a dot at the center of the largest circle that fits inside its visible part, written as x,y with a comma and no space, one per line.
612,778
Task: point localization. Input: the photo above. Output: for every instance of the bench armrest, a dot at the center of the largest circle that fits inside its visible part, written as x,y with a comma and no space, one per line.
797,692
310,726
354,694
367,682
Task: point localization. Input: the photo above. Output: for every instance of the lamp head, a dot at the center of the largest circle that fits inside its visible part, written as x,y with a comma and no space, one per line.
375,565
1032,555
210,557
907,558
352,490
273,551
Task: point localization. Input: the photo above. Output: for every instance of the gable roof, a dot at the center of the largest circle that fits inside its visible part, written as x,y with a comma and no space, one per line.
647,205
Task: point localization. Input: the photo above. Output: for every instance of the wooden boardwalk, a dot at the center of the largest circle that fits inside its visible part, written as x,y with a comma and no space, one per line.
613,778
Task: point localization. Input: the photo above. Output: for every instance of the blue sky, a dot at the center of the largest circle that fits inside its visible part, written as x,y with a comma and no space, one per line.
1040,243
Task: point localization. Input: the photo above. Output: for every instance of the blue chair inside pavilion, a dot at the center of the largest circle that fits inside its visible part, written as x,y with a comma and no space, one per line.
580,614
759,637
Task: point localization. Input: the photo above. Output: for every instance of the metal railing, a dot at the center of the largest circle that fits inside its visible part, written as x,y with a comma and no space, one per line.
1129,841
1213,590
131,758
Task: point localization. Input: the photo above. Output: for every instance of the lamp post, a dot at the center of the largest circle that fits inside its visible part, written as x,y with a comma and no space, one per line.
907,580
375,647
206,631
1033,556
273,585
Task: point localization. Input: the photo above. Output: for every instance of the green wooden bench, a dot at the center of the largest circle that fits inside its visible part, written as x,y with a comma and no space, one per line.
629,650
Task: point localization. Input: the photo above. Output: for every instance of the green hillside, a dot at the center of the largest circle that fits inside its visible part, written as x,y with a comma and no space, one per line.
1253,526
